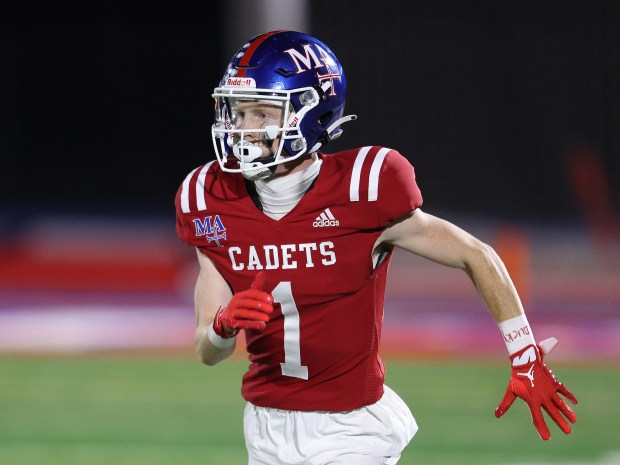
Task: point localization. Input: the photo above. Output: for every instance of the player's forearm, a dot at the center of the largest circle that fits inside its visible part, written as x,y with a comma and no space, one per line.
493,283
209,353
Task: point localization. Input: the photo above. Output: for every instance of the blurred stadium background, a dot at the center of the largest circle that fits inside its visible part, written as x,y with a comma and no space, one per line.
510,112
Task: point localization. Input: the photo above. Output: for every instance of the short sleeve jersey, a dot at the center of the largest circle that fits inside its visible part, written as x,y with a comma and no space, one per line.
319,350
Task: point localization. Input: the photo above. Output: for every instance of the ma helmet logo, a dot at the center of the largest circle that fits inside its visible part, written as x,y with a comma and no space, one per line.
309,59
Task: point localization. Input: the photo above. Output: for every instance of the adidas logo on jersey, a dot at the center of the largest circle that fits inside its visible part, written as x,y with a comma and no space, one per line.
325,219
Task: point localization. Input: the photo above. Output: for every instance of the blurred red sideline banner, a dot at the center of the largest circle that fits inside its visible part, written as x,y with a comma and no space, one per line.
22,270
67,255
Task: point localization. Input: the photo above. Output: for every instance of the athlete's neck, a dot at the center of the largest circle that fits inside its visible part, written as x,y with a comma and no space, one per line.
279,195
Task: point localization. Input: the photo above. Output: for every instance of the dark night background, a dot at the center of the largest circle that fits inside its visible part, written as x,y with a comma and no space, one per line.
508,109
106,108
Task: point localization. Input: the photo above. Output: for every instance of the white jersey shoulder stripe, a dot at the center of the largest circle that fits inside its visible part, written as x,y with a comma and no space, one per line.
200,192
185,192
373,180
200,187
375,169
354,188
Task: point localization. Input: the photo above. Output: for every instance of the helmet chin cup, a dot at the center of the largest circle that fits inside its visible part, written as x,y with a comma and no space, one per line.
255,171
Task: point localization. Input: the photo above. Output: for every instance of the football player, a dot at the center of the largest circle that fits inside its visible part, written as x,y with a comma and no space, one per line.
294,246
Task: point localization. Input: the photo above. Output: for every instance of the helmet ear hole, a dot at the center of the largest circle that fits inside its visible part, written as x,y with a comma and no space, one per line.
324,118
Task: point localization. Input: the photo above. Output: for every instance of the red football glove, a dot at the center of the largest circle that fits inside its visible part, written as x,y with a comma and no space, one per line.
247,309
536,384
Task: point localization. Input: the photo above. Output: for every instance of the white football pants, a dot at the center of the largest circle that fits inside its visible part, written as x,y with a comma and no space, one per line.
371,435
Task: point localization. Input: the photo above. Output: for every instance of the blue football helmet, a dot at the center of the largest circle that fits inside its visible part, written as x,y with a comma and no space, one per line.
287,70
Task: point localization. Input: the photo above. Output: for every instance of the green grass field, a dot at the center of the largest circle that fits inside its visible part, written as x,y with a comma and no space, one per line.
148,410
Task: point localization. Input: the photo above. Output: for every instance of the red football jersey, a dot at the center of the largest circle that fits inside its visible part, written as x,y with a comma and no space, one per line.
319,350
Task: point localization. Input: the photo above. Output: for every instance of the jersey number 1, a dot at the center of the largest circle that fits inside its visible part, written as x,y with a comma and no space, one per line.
292,352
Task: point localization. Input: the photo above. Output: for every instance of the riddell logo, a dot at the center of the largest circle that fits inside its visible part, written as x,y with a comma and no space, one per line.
325,220
240,82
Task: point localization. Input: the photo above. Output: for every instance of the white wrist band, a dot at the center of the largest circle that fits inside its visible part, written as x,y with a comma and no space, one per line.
517,333
219,341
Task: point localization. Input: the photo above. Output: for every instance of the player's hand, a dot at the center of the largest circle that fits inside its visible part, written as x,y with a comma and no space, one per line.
536,384
247,309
